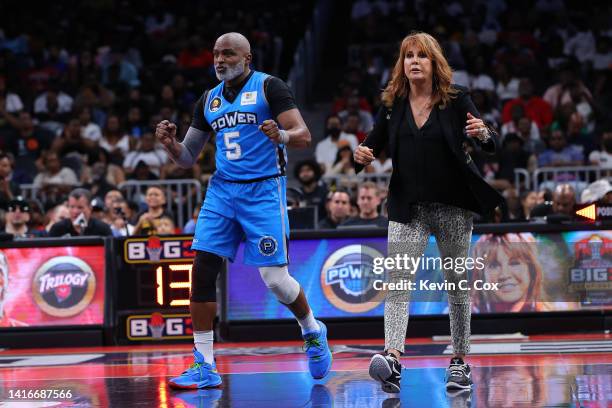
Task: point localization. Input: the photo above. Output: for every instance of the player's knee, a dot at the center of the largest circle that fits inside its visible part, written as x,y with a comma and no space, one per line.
206,268
283,285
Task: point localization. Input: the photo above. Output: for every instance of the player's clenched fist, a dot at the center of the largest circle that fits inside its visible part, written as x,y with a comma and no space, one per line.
270,129
166,133
363,155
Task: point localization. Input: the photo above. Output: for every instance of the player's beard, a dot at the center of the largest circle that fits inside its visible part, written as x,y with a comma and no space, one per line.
231,72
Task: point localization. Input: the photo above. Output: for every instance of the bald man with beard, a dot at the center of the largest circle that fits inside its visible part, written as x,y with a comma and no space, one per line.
255,119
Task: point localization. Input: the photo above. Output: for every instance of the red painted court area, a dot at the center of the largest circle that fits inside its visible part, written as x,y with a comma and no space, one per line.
538,371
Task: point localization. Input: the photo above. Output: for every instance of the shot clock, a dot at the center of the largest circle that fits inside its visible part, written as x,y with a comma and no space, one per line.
154,273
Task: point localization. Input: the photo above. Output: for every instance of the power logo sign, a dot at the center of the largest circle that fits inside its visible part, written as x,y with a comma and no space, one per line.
347,279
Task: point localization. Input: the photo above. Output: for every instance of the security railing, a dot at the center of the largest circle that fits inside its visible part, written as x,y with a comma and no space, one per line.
182,195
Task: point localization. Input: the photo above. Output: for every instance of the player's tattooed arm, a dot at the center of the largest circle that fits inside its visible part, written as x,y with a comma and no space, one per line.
184,154
294,131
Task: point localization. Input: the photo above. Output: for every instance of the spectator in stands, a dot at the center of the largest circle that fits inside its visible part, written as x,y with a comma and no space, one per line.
27,146
512,156
55,180
352,123
368,200
381,165
599,191
17,219
114,140
339,208
119,220
564,199
603,157
327,148
559,153
156,202
512,205
8,187
529,200
10,106
135,124
117,72
195,56
89,129
344,163
514,54
53,106
483,102
507,86
536,108
165,226
80,221
72,147
313,191
189,227
559,93
154,156
366,121
479,79
56,214
523,127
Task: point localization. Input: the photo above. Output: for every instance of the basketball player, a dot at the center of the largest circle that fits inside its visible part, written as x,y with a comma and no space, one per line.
255,118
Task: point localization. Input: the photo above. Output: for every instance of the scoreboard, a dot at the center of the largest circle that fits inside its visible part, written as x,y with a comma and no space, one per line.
153,282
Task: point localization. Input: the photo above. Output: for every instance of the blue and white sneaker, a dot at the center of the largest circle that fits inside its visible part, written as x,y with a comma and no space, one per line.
199,375
318,352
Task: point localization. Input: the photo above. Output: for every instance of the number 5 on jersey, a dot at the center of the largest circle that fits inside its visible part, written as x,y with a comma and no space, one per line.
233,151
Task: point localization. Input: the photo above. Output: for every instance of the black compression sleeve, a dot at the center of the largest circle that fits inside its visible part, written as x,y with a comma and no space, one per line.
279,96
197,120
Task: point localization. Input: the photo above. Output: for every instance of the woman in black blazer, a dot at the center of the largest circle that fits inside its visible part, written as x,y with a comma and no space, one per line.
435,186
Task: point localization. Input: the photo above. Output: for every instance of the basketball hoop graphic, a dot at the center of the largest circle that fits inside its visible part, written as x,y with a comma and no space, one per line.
157,325
154,248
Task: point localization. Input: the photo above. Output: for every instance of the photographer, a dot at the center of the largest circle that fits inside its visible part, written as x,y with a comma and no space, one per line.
80,222
119,221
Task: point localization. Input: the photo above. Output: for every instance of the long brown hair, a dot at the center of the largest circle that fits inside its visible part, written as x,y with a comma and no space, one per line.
519,246
442,73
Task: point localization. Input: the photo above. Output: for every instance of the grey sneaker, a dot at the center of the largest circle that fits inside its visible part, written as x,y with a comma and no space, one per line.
385,369
458,375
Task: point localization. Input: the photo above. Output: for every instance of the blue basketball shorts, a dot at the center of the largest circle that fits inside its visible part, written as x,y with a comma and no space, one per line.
255,211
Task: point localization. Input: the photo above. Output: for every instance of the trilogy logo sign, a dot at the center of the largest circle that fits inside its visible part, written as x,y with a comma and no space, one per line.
158,326
64,286
347,279
154,249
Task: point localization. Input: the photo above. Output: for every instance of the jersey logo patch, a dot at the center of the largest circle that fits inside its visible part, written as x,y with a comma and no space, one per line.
248,98
215,104
267,246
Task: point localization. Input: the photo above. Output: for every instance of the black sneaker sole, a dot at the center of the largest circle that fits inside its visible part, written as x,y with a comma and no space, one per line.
379,370
451,385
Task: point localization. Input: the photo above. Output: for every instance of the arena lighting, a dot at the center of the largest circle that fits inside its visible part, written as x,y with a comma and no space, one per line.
588,212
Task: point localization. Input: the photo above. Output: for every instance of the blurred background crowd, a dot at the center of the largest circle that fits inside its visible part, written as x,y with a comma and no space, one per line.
82,86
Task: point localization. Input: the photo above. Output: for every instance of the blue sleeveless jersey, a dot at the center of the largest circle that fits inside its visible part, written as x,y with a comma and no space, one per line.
243,151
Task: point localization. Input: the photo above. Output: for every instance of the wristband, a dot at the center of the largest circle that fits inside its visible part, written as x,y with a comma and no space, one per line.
283,137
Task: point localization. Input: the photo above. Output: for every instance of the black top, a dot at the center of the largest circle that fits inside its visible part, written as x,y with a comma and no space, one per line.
379,221
94,227
327,223
476,194
277,93
426,166
317,198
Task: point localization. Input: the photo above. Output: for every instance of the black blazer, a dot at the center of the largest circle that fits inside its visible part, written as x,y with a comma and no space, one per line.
482,198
